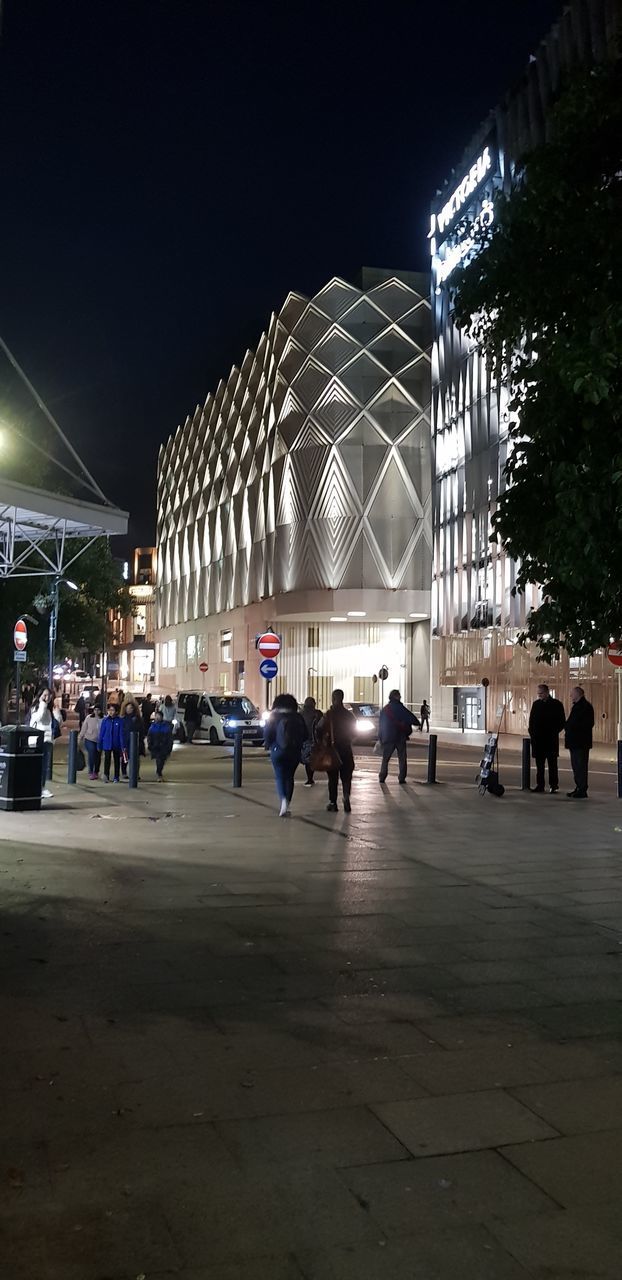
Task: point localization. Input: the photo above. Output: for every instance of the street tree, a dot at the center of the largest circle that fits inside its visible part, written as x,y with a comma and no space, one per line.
82,613
543,298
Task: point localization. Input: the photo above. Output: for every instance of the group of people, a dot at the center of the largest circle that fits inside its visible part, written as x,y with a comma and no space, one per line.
546,721
324,741
110,735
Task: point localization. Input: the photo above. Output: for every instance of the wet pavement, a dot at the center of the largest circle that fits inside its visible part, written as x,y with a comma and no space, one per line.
331,1047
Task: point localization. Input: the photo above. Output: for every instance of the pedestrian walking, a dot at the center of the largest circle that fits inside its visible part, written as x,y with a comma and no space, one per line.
111,741
192,718
168,709
424,716
338,727
579,726
396,726
311,716
546,721
147,710
88,739
81,710
46,717
160,742
284,735
131,722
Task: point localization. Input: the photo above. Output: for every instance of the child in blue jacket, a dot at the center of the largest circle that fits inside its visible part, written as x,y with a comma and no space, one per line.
160,740
111,741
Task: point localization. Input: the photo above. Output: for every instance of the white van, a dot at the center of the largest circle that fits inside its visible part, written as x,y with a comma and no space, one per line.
220,715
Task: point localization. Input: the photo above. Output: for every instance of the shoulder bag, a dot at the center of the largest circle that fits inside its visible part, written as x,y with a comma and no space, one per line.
325,755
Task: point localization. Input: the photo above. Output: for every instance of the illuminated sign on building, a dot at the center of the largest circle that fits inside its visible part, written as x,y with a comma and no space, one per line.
441,222
464,245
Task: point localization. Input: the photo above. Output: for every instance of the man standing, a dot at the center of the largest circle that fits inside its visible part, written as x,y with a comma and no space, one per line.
546,721
338,727
192,719
425,717
396,725
579,727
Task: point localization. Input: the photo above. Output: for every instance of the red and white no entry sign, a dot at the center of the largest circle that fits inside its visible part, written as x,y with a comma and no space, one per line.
203,667
614,654
20,636
269,645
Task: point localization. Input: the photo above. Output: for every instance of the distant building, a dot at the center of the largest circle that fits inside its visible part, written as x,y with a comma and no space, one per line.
476,618
131,652
299,497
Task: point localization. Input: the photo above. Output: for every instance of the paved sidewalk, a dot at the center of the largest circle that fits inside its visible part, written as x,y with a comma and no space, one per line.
331,1048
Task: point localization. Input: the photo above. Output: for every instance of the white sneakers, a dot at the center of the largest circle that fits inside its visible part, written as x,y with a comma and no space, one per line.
284,810
46,795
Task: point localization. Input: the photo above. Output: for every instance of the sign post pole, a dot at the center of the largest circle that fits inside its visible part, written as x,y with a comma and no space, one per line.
619,704
20,640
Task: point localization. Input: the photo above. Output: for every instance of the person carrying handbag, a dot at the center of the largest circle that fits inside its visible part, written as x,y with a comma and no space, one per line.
336,731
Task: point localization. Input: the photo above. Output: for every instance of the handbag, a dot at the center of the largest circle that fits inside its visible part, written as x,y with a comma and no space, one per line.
378,747
324,756
80,761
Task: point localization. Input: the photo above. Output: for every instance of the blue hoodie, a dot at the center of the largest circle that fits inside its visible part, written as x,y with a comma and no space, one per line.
111,734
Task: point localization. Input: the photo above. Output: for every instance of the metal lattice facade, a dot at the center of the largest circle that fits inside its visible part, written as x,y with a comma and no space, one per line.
310,467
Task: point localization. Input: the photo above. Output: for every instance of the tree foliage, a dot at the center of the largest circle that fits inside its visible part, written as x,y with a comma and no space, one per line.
82,613
544,300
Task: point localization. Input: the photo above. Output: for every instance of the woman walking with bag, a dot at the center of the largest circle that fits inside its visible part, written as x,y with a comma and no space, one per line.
284,735
337,729
89,739
46,717
131,722
311,717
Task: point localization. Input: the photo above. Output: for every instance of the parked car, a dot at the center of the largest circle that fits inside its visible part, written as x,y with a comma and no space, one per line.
367,720
221,714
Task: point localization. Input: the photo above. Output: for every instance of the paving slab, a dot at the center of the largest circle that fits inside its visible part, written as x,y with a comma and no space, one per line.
284,1049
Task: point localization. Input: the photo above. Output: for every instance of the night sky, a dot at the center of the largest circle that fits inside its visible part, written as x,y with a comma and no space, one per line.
170,169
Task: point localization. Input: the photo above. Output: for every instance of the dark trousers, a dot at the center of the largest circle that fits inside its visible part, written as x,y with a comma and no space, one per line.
425,721
191,727
160,761
116,755
45,764
345,771
309,773
387,752
94,755
550,758
284,769
579,760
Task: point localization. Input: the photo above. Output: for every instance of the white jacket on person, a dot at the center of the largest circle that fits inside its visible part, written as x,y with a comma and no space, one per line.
41,718
90,729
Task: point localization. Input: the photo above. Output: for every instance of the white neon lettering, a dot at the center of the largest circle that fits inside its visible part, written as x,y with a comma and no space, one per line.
465,188
458,252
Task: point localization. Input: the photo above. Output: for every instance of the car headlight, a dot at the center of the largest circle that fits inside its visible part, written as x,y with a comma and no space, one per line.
265,717
230,724
365,726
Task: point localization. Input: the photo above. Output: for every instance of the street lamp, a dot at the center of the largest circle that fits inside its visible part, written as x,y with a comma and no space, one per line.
54,623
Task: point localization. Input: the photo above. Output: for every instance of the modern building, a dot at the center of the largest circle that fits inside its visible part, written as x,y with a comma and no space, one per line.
298,497
131,652
476,619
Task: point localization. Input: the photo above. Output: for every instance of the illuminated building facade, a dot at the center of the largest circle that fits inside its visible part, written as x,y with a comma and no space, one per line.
299,497
475,617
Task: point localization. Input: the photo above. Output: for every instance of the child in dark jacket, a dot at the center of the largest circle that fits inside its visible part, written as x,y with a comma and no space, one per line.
111,741
160,741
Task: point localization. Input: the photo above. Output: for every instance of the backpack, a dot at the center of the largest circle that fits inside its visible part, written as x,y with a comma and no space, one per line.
287,734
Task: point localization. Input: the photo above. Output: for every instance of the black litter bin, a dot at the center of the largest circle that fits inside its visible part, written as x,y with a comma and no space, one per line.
21,766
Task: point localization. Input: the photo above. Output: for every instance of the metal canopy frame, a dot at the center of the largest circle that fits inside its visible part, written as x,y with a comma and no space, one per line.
36,528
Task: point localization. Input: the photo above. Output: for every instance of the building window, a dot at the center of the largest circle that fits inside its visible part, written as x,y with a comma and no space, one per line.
191,648
168,654
225,646
313,637
140,621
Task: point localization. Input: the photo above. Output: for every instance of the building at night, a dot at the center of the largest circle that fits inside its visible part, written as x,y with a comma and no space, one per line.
475,617
131,649
298,497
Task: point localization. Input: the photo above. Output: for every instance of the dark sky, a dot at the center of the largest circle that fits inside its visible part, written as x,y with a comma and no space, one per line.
170,169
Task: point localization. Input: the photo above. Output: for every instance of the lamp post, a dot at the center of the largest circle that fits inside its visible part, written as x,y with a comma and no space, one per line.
54,623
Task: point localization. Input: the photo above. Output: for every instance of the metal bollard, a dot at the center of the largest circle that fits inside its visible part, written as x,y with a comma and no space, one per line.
432,743
525,767
132,764
237,758
50,763
72,755
619,770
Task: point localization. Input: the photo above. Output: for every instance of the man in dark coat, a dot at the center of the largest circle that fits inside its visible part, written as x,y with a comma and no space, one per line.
546,721
192,718
579,727
396,726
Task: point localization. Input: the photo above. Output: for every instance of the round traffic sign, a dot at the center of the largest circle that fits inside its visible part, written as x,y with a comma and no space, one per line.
268,669
614,653
269,645
203,667
20,635
383,673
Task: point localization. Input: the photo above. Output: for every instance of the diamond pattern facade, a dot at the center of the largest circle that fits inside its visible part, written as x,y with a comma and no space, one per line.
310,467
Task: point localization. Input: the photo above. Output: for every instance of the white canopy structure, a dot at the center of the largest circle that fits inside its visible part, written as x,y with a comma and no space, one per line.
37,529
